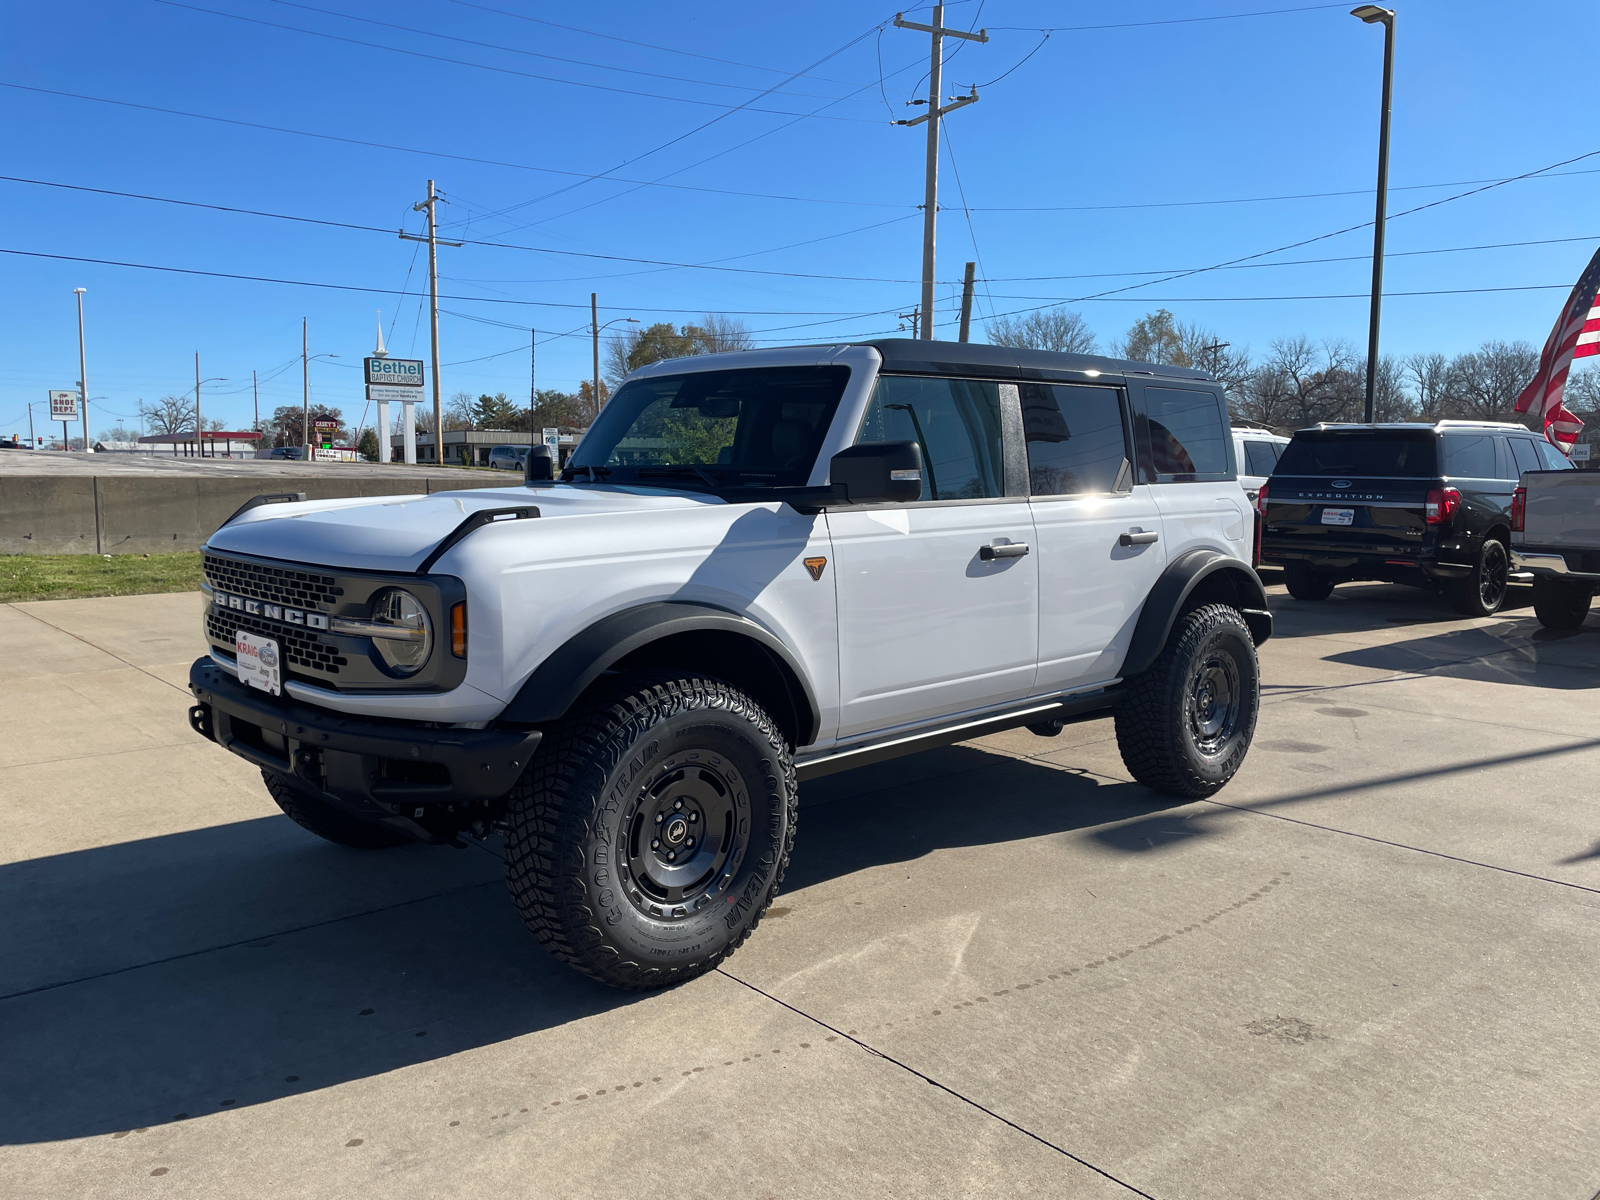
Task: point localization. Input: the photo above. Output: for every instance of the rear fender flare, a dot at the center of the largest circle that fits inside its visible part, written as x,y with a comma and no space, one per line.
567,673
1197,577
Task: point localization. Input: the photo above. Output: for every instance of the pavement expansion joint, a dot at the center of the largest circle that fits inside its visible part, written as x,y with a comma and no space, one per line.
850,1036
96,646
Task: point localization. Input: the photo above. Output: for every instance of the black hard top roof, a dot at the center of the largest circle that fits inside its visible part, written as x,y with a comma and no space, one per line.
1009,362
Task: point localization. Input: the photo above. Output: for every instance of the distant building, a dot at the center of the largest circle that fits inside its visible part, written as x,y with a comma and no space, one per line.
214,444
470,447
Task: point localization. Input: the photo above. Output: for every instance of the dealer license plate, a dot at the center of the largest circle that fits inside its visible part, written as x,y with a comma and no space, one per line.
259,662
1338,516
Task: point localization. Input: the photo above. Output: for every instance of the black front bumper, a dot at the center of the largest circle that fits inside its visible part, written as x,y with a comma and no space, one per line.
422,780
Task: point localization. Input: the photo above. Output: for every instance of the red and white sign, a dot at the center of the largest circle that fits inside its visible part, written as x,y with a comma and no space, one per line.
259,662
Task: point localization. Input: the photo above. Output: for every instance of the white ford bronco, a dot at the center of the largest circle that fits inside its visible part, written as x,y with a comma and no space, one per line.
756,568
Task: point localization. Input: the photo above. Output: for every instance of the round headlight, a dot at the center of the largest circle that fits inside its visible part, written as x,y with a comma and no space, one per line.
407,649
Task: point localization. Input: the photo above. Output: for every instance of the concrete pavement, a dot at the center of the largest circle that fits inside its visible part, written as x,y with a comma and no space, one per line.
1368,968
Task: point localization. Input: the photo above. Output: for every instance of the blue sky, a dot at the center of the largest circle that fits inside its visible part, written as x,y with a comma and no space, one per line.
1088,160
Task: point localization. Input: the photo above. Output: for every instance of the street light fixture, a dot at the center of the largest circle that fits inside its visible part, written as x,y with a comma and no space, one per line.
598,329
1372,14
305,411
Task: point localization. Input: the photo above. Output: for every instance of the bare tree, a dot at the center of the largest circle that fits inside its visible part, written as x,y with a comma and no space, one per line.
1299,384
1583,393
1049,329
1390,400
170,414
718,334
1484,385
1429,374
643,345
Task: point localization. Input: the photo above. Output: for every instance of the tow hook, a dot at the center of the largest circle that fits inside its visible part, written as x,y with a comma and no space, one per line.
200,721
308,765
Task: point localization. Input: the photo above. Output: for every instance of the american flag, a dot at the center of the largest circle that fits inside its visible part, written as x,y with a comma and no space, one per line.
1576,335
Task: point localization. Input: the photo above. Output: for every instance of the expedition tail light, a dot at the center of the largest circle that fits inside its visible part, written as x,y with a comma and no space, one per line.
1261,500
1441,504
458,629
1519,509
1259,516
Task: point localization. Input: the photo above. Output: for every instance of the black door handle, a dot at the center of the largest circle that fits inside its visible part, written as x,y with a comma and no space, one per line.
1138,539
1009,550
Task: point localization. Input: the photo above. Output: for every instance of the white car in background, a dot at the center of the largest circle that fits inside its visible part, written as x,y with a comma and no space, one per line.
1256,450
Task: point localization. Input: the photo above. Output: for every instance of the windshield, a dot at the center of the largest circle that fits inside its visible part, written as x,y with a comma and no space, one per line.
1397,455
759,427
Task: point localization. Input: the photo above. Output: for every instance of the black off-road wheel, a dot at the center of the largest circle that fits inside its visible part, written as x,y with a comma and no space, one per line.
325,820
1482,592
652,829
1560,603
1305,584
1185,724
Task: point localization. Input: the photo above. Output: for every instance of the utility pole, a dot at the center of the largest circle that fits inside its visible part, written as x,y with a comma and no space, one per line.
255,397
966,302
1372,14
305,390
83,372
915,317
33,442
430,207
933,116
199,425
1216,349
594,325
533,373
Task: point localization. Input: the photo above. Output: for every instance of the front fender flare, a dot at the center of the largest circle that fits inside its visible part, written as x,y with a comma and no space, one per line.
1219,577
564,676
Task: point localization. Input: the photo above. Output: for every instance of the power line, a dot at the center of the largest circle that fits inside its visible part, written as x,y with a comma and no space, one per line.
485,162
376,291
461,62
611,37
535,53
1268,12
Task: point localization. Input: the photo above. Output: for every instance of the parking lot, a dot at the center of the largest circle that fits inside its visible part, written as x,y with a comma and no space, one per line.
1367,969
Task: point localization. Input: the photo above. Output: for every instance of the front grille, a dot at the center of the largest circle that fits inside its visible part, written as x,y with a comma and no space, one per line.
300,647
276,585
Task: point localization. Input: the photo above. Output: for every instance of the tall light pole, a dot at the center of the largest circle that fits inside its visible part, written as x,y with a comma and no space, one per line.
83,372
594,324
1372,15
305,383
199,425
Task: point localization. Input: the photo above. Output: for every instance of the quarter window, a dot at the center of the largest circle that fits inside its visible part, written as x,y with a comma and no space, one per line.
955,421
1553,459
1075,435
1188,437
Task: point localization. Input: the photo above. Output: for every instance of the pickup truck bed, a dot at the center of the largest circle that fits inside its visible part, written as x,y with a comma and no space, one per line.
1555,534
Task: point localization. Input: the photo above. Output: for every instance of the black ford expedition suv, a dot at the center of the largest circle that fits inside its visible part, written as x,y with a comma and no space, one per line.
1425,504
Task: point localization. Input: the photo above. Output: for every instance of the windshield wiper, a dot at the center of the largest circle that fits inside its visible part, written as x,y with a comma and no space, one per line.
679,472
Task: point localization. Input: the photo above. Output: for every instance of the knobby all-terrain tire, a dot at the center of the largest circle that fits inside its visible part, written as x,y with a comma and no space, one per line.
581,858
1163,718
1483,591
1305,584
325,820
1560,603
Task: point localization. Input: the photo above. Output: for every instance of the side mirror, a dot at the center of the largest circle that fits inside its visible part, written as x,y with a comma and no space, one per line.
875,472
541,467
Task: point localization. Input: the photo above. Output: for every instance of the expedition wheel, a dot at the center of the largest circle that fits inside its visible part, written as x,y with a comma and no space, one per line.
327,821
1560,603
1306,584
1483,591
652,829
1185,724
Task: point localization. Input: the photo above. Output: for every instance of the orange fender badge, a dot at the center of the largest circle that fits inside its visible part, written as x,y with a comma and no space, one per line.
815,566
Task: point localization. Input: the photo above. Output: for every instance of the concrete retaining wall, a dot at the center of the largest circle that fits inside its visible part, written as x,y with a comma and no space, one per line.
130,514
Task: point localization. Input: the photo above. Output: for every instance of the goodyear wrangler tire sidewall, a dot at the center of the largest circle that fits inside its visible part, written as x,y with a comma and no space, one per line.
761,818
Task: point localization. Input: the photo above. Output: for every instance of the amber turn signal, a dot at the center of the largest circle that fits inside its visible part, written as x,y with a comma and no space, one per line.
458,629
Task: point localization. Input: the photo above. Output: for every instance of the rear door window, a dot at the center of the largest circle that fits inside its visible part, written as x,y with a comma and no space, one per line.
1076,438
1469,456
955,421
1188,434
1527,458
1260,457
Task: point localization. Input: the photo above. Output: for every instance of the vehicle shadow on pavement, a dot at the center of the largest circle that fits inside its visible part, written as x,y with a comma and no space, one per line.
219,968
1514,652
1356,608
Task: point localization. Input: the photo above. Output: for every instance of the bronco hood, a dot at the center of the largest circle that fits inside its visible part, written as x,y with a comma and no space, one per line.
396,533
